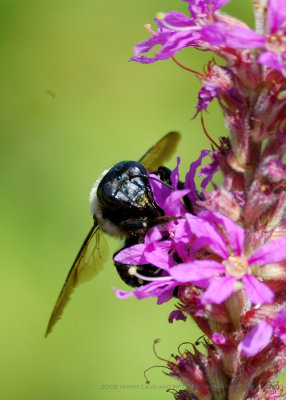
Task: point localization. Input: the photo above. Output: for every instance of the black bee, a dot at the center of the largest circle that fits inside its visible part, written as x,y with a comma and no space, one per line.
122,204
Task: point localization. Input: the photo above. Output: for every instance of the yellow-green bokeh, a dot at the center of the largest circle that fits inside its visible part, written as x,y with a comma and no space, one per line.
71,106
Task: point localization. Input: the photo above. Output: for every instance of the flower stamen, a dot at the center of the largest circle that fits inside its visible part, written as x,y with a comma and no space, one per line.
133,272
161,17
148,28
207,135
236,266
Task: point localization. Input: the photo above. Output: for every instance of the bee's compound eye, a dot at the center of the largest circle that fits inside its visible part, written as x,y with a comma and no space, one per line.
124,185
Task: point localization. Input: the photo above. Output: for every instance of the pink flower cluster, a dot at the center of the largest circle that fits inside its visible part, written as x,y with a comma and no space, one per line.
224,258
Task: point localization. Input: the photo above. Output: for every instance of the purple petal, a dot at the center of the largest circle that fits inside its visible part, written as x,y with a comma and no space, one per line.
279,324
234,233
206,94
208,171
208,234
177,315
243,38
171,41
196,270
175,174
256,291
215,34
271,252
280,319
153,235
121,294
156,289
190,176
178,20
182,232
173,205
182,251
219,290
258,338
179,40
282,337
197,244
182,238
270,59
239,197
133,255
165,296
235,97
202,7
160,191
219,3
276,15
159,258
146,45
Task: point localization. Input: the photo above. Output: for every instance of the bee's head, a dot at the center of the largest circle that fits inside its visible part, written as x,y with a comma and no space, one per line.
124,185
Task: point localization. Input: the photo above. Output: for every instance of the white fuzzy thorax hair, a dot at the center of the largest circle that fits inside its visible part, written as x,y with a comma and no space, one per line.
96,210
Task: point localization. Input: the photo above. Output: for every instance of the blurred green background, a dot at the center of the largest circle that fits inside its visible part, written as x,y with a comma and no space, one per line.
71,106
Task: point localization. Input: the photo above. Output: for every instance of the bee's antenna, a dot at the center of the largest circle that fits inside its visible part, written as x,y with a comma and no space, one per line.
154,179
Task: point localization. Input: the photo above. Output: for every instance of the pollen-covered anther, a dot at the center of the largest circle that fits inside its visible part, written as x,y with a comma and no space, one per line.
132,271
149,29
160,15
276,42
236,266
264,188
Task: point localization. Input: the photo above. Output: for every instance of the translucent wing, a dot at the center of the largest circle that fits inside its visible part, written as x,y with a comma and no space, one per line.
161,152
89,261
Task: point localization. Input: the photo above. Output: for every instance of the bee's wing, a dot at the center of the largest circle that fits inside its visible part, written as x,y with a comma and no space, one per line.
89,261
161,152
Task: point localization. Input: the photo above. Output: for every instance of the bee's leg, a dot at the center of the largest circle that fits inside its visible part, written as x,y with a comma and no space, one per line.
137,226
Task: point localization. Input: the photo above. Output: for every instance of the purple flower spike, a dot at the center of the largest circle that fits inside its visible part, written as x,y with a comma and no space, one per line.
219,248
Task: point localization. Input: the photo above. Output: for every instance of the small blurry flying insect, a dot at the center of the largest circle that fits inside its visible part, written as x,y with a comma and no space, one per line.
122,205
